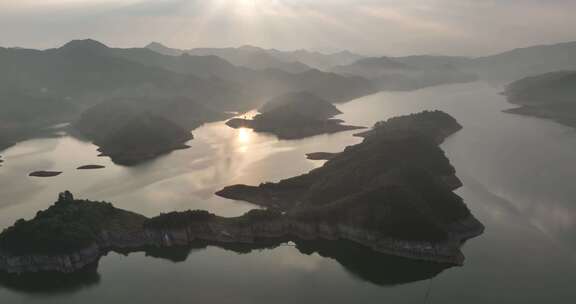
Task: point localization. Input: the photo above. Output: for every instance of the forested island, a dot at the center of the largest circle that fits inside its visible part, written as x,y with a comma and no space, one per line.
294,116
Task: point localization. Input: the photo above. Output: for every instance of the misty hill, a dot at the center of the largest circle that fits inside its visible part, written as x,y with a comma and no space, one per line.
294,116
263,84
142,137
372,67
551,95
302,104
246,56
252,86
86,72
407,73
162,49
24,115
259,58
106,116
83,73
426,62
529,61
17,107
107,123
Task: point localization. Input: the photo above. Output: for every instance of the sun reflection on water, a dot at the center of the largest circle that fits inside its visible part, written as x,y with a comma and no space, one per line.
244,136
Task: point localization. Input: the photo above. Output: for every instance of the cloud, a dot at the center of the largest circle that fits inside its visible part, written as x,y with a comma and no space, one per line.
393,27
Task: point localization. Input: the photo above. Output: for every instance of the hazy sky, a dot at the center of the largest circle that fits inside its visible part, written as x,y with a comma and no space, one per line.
393,27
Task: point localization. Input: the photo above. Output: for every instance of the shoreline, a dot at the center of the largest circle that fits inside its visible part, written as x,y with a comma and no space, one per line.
228,231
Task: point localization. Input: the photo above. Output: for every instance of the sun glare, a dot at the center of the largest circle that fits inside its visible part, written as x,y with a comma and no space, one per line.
246,7
244,135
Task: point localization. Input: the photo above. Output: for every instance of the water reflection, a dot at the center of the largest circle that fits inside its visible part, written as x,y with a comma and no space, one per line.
244,135
51,283
518,177
360,262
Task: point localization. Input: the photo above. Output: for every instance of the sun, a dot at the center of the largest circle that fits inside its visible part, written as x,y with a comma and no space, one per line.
246,7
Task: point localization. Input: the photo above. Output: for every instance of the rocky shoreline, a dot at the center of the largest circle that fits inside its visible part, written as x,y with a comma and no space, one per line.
253,228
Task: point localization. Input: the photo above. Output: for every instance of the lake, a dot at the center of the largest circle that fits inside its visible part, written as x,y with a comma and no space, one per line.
519,177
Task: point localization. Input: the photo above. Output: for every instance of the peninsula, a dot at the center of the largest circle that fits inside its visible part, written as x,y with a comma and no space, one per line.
550,96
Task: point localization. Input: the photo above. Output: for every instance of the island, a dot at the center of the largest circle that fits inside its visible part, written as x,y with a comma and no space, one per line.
45,173
550,96
295,116
91,167
130,138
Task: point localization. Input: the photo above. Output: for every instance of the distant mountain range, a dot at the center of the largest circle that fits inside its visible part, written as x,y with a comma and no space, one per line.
524,62
39,88
259,58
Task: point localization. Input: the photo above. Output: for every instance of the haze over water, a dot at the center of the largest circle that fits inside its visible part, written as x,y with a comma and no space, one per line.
518,180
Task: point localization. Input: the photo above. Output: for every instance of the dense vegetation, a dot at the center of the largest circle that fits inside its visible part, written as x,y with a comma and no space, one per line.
551,95
179,219
66,226
546,89
391,183
433,125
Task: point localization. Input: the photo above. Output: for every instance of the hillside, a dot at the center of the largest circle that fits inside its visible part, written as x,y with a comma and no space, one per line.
551,96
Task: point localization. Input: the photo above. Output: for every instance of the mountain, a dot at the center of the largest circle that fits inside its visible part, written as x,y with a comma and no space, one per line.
246,56
86,72
259,58
372,67
524,62
63,82
261,84
550,95
407,73
162,49
426,62
318,60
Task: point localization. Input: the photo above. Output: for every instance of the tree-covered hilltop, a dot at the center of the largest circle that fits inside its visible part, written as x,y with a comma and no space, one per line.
551,96
179,219
66,226
295,115
434,125
397,182
143,137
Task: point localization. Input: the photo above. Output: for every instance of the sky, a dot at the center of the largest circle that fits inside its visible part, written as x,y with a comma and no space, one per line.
371,27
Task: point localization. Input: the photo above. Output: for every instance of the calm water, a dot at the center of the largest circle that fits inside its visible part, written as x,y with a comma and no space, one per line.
519,175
